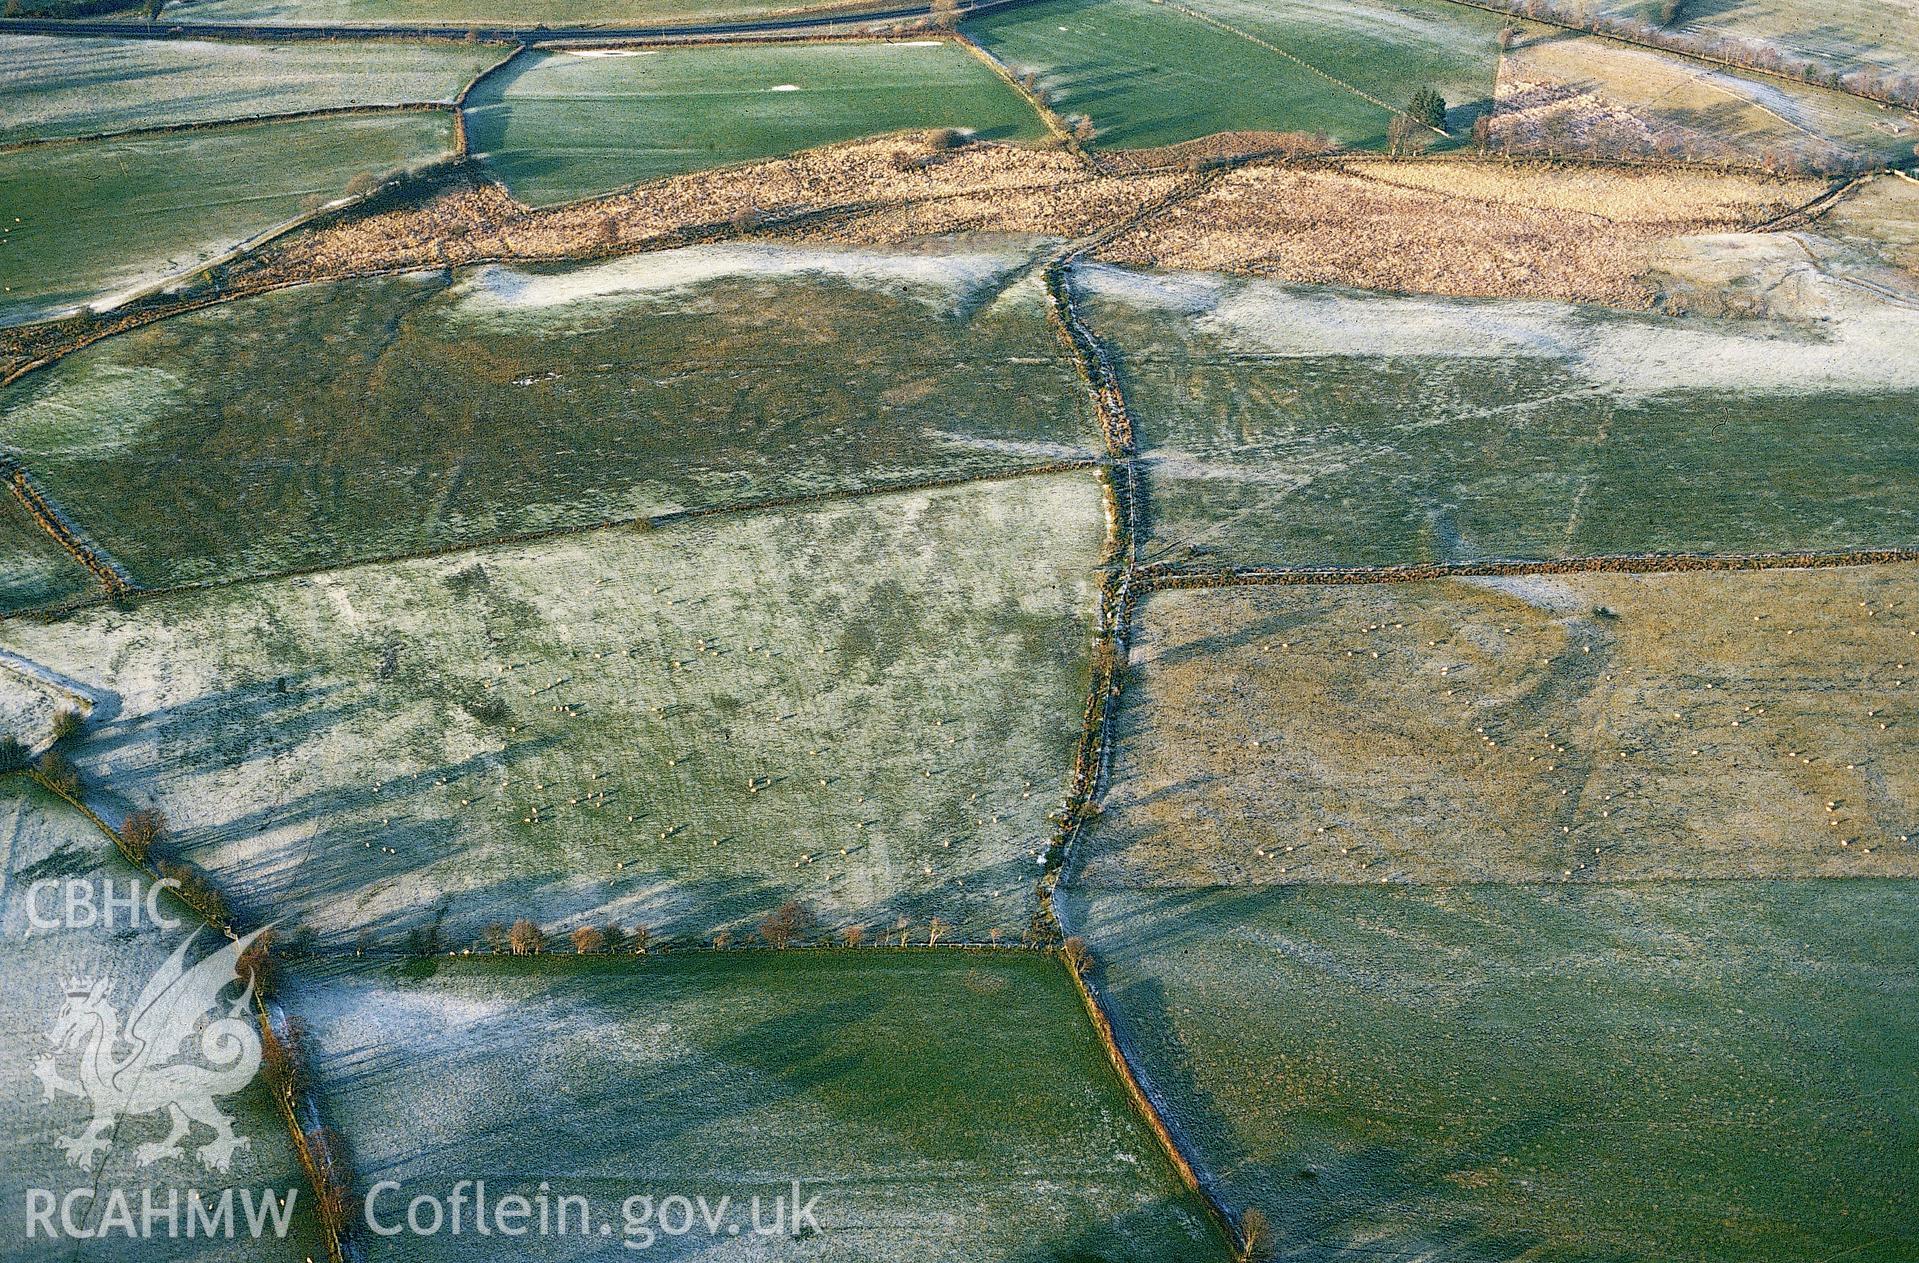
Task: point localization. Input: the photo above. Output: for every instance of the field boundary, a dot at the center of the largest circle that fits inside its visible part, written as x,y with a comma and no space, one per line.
1164,576
213,124
112,577
1092,758
460,146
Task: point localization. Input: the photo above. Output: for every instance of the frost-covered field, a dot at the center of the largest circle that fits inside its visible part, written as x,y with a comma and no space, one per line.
42,838
33,569
1672,105
490,13
939,1105
96,221
344,422
1300,425
50,86
871,706
576,123
1584,727
1717,1071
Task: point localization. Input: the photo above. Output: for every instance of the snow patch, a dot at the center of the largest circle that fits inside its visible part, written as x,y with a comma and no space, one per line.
499,291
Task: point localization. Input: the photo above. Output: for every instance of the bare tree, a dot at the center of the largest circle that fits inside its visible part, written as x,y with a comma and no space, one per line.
785,923
640,938
588,940
853,935
934,929
1076,954
141,830
525,938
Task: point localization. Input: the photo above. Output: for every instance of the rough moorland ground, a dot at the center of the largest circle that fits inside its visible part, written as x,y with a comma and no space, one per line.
578,123
870,706
1297,425
932,1101
1713,1070
328,424
1472,229
1591,727
43,839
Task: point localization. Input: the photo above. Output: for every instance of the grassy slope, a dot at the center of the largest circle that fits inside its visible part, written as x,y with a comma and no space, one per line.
33,569
1707,725
935,1101
560,126
1150,75
41,838
96,218
1303,426
1716,1071
652,727
537,399
75,87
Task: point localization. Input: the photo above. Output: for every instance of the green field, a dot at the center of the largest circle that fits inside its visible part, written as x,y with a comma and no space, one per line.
42,838
507,13
33,569
79,87
222,443
564,125
96,219
1148,74
940,1105
1588,727
1302,426
871,706
1714,1071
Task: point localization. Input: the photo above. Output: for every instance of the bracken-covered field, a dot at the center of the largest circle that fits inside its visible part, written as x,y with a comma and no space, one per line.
938,1104
1586,727
870,706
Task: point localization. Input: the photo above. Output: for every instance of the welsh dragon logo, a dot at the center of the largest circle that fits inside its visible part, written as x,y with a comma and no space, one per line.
180,1047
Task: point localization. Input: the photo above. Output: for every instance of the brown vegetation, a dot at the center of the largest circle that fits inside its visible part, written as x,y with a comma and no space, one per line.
525,938
785,923
1465,228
